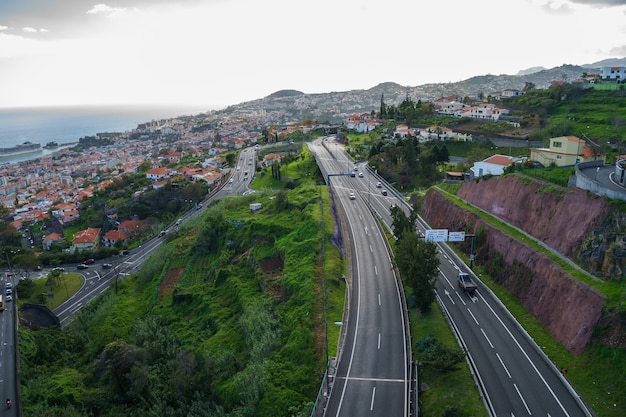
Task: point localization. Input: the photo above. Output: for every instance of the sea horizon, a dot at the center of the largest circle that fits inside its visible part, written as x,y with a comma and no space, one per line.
67,124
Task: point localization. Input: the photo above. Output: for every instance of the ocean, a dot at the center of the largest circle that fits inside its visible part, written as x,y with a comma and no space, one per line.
68,124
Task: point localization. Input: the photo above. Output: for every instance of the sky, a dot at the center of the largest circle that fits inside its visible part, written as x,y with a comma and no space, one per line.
216,53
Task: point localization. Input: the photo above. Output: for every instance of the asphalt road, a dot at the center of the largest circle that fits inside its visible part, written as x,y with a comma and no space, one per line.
372,371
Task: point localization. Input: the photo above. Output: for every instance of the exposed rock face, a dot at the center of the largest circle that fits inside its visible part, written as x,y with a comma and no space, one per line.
561,218
568,309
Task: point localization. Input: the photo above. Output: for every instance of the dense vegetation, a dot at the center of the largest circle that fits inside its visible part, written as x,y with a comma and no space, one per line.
205,329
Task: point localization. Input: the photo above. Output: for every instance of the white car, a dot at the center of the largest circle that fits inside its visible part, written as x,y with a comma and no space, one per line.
352,196
378,185
360,175
230,181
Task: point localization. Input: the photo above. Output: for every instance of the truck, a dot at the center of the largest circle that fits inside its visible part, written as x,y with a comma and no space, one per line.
465,283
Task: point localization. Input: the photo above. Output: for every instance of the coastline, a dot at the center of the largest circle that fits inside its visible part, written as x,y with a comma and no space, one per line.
30,156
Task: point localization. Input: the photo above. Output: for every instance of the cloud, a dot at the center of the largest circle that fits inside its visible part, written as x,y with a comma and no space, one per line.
601,3
618,51
107,10
3,27
29,29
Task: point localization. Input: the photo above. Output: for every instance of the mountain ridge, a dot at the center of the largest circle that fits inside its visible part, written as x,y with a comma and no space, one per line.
334,106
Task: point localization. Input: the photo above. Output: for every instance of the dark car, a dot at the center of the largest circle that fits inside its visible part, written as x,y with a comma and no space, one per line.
384,192
89,261
82,266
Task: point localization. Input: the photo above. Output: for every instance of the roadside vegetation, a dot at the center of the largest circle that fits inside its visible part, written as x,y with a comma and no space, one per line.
223,320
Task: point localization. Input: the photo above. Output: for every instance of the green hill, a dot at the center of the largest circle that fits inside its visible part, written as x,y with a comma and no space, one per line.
221,321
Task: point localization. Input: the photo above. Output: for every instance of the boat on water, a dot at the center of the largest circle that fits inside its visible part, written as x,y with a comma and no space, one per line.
22,148
51,145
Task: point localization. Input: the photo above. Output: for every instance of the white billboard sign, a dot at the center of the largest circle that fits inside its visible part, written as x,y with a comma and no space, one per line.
456,237
436,235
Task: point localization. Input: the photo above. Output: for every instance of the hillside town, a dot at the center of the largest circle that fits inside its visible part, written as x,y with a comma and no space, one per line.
56,184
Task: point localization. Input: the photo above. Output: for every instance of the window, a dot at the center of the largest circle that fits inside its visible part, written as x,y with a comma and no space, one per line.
556,144
559,157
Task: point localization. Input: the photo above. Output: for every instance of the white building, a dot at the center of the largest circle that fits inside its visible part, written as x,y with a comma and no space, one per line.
614,73
494,165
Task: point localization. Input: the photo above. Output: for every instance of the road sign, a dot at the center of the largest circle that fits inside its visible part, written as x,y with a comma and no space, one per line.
436,235
456,237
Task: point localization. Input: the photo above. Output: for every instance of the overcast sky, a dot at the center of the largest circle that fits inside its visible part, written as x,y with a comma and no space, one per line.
222,52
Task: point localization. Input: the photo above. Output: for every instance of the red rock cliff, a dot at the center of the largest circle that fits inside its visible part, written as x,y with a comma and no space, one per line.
560,217
567,308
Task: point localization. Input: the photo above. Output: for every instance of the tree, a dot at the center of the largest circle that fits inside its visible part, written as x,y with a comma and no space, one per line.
440,357
418,264
400,223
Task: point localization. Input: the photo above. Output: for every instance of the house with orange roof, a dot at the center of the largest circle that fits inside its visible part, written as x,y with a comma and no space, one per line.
132,227
494,165
403,130
436,133
270,158
157,174
51,239
207,175
111,237
86,239
565,151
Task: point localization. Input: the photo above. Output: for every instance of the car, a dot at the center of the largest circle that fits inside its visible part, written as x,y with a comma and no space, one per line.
89,261
384,192
352,174
9,298
9,285
360,175
356,169
230,181
238,168
106,266
352,196
162,233
9,291
82,266
378,185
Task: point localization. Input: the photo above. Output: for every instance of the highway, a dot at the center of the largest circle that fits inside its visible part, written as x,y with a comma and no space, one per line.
7,350
373,367
514,377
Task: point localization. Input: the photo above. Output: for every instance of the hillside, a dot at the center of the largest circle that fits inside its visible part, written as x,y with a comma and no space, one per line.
584,315
333,106
220,321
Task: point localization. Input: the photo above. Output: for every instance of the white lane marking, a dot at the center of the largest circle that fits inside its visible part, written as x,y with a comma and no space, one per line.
373,396
522,398
379,338
503,365
475,321
485,334
379,300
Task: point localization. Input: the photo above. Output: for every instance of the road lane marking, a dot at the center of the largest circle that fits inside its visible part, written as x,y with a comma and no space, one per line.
476,321
503,365
373,396
522,398
527,357
485,334
379,337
